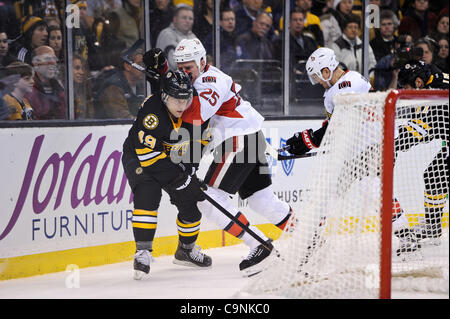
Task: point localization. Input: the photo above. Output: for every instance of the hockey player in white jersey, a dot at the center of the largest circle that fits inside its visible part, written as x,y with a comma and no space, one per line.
240,164
324,69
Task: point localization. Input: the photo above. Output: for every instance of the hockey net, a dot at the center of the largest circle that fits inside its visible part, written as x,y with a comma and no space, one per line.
383,154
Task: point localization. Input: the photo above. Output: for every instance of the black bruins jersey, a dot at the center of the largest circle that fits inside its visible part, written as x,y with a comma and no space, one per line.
158,138
424,124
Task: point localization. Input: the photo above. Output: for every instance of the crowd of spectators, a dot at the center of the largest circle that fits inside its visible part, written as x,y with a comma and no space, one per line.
32,54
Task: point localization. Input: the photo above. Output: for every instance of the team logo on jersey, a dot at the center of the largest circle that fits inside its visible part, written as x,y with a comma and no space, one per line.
150,122
345,84
287,165
209,79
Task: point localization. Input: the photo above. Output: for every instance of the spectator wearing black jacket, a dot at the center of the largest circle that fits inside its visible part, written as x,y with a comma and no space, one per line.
301,45
383,43
227,39
161,15
254,44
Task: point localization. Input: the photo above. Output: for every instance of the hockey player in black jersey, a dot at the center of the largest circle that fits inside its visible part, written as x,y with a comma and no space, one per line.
148,163
424,125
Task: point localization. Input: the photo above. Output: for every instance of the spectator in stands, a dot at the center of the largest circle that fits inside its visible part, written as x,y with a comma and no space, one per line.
52,22
203,24
122,93
97,9
83,37
312,23
35,34
48,96
6,86
161,15
184,3
441,59
83,100
254,44
387,67
246,13
9,20
441,28
179,29
383,43
19,107
418,20
301,46
55,41
40,8
227,39
5,56
348,47
333,23
109,46
427,48
130,15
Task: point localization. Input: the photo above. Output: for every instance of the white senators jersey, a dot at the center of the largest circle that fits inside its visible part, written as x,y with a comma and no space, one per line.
219,101
350,82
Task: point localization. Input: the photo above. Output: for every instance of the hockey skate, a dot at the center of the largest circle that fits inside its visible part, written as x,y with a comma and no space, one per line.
254,262
141,264
428,234
191,257
409,247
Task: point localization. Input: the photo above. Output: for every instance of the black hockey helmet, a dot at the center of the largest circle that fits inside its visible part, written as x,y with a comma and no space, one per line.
432,77
412,70
177,84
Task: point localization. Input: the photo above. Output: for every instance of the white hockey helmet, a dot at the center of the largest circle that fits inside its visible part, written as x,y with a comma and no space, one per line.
189,50
318,60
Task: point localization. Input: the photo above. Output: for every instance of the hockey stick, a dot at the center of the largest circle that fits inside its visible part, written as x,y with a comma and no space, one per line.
276,154
234,219
130,51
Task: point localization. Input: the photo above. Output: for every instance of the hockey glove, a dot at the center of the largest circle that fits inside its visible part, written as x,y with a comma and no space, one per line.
155,62
188,187
302,142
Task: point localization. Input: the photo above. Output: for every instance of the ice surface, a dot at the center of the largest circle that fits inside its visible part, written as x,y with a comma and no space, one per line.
167,281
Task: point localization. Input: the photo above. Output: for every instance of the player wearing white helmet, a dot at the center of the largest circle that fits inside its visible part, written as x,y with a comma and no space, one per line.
323,68
240,165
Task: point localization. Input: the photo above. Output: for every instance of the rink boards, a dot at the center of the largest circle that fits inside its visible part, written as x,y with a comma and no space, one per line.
66,201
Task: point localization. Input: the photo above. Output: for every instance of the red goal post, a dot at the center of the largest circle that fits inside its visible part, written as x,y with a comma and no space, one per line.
388,177
346,243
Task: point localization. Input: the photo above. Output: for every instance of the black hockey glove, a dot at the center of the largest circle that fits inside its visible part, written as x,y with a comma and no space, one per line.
188,187
155,62
302,142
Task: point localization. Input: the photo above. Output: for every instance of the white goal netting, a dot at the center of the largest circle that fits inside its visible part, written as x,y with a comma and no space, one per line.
334,249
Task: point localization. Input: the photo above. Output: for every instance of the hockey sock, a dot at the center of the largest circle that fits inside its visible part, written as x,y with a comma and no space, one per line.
222,221
434,205
188,231
144,225
237,231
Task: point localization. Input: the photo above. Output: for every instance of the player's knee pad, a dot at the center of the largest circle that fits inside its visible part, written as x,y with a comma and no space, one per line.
265,202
